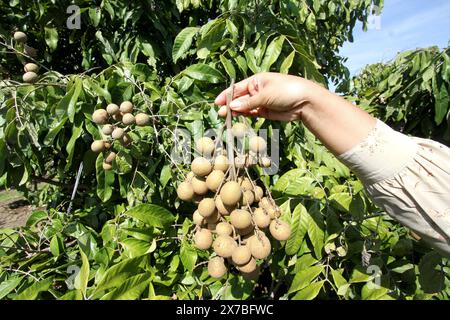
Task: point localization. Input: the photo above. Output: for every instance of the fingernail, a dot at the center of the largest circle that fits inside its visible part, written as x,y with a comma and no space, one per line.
235,105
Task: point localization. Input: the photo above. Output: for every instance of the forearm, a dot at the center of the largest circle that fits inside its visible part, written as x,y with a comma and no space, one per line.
337,123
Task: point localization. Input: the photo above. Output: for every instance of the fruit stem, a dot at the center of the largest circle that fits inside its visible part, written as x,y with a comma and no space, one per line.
230,139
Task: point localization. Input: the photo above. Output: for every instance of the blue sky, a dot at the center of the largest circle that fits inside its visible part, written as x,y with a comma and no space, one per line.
404,24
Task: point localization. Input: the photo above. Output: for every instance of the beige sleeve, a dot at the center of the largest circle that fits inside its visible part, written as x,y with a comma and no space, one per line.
409,178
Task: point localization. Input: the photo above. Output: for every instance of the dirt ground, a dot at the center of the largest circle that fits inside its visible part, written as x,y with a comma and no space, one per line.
14,209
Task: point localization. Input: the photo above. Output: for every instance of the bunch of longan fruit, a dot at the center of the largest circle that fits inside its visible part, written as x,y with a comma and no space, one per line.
31,69
116,121
234,214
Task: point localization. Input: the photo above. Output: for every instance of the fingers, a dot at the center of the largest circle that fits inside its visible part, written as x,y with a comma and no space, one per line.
241,88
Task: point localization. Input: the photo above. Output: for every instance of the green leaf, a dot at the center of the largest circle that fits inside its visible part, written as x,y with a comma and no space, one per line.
105,180
32,292
55,128
188,256
119,273
229,68
3,154
431,276
56,246
442,103
316,229
166,175
183,42
82,278
131,289
287,63
51,38
272,53
152,215
67,104
70,148
304,278
373,292
203,72
299,228
136,247
72,295
310,292
9,285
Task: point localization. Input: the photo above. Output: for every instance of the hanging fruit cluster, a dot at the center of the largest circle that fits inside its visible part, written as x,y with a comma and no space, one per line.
116,122
234,214
30,69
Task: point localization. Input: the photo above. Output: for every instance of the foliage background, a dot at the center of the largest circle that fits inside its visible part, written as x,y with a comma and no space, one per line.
127,236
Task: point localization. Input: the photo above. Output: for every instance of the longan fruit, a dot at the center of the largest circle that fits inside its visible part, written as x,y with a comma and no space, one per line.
240,219
259,193
113,109
107,166
201,166
142,119
205,146
223,209
199,185
247,198
280,230
203,239
273,211
126,107
108,129
190,176
246,184
216,267
260,246
118,134
206,207
224,246
248,267
224,229
241,255
239,130
239,162
221,163
265,162
197,218
31,67
261,218
257,144
265,203
214,180
213,218
100,116
128,119
185,191
230,193
251,159
107,145
20,37
29,77
110,157
98,146
126,140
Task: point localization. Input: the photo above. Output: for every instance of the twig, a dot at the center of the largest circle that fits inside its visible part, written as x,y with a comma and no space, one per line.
230,139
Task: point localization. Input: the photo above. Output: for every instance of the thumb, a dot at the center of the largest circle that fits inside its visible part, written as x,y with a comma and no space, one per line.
247,103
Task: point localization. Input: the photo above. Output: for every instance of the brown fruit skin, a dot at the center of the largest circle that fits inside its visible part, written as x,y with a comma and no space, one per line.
260,246
246,184
257,144
221,163
108,129
245,231
185,191
199,185
230,193
223,209
20,37
203,239
248,267
128,119
30,77
224,246
110,157
213,218
98,146
224,229
261,218
107,166
100,116
126,107
241,219
239,130
247,198
31,67
264,203
142,119
215,179
216,267
280,230
259,193
113,109
205,146
241,256
201,166
206,207
118,134
198,219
